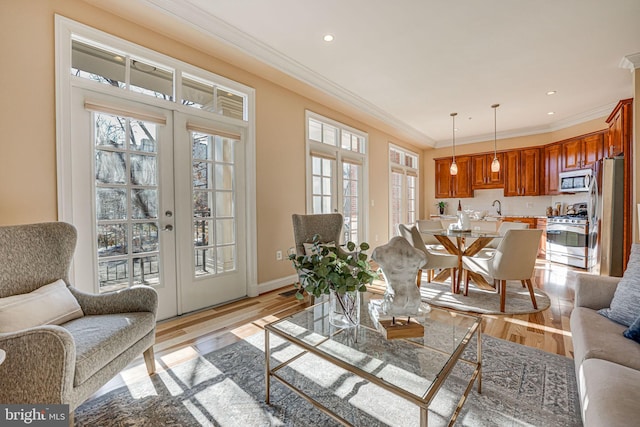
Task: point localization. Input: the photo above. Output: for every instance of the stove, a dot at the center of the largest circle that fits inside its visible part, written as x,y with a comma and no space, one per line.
569,241
568,219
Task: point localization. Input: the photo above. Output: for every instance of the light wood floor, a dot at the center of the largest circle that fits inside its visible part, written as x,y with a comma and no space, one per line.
188,336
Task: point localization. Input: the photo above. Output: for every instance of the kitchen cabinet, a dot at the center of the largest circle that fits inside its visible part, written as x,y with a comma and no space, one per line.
619,132
481,174
459,185
522,172
551,166
582,152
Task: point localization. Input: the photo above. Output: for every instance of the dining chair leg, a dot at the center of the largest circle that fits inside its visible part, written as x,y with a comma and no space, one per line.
503,294
466,282
430,274
419,278
453,281
454,277
533,296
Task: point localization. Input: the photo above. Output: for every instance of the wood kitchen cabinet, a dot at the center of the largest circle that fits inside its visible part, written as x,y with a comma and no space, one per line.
522,172
619,133
481,174
551,166
459,185
582,152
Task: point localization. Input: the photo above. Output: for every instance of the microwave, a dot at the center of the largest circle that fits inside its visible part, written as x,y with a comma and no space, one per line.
575,181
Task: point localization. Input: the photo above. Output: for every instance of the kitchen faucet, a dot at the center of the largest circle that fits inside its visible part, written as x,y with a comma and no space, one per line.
499,206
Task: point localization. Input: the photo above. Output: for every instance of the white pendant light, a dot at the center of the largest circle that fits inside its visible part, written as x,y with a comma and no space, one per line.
495,164
453,170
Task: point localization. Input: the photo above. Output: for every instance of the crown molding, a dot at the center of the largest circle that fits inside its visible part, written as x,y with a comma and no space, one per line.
631,62
193,16
596,113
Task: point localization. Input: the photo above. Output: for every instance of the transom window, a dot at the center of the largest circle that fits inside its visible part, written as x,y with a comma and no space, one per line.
403,187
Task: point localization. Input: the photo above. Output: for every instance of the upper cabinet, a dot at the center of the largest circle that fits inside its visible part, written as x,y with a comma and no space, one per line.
619,134
522,172
582,152
448,185
551,166
481,171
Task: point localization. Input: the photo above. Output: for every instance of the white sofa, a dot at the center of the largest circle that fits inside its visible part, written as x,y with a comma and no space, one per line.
607,364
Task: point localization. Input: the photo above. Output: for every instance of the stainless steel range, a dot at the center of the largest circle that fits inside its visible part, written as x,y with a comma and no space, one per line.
569,241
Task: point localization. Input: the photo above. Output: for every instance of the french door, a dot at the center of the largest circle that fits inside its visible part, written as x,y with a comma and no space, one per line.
156,197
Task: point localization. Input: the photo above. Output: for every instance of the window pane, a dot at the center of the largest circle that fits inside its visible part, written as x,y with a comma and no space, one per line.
326,186
143,136
204,262
145,237
197,93
224,177
201,146
317,204
316,165
97,64
143,170
224,150
111,240
111,167
326,205
202,204
328,134
224,204
113,275
317,185
326,167
229,104
315,130
144,204
146,271
110,130
226,259
150,80
225,231
111,203
203,232
202,175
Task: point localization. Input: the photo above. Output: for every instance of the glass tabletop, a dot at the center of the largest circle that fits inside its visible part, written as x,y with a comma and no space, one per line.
410,364
461,233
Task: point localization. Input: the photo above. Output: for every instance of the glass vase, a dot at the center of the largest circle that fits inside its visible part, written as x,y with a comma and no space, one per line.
344,309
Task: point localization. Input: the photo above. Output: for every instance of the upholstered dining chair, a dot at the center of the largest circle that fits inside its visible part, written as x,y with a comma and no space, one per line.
62,344
429,240
513,259
435,260
502,229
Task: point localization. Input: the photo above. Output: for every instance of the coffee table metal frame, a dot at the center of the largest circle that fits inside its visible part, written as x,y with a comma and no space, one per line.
421,401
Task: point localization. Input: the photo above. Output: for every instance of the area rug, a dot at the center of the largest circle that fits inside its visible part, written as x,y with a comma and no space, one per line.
482,301
522,386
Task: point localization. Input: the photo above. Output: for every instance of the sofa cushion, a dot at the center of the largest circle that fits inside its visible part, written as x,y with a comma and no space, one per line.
51,304
609,394
633,331
595,336
101,338
625,306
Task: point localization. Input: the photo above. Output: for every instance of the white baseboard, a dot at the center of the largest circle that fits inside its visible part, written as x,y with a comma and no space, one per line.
277,284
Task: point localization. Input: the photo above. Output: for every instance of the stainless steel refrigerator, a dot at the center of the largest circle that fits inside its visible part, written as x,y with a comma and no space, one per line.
608,215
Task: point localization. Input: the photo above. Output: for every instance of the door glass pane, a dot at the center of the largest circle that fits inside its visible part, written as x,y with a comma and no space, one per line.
350,209
322,182
126,202
213,186
396,201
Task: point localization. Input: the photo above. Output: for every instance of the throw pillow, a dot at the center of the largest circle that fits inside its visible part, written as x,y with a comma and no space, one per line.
308,247
633,332
51,304
625,304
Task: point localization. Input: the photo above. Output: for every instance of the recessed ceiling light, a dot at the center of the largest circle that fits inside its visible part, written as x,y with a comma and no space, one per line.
551,92
551,113
328,37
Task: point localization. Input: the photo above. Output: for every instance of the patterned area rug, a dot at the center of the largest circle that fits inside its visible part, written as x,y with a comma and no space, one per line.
522,386
481,301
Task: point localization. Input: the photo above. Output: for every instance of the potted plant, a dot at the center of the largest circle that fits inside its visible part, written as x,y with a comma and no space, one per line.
329,270
441,205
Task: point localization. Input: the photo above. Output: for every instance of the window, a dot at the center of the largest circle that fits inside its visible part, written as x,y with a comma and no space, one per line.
403,188
335,173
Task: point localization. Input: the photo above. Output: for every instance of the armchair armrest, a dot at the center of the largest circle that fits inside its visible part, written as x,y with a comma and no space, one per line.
595,292
134,299
39,366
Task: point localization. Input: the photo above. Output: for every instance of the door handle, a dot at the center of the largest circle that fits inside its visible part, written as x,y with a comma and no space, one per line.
168,227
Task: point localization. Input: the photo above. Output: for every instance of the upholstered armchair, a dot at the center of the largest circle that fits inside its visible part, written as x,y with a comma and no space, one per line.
61,344
327,226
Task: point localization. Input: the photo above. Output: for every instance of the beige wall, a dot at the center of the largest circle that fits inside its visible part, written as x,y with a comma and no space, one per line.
27,121
502,144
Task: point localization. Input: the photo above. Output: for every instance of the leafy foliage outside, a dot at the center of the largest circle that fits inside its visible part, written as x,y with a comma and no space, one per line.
328,267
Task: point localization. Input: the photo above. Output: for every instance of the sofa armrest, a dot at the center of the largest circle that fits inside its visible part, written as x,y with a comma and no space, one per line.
39,366
595,292
134,299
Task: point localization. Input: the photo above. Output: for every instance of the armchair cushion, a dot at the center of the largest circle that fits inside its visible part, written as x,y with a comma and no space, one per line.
51,304
101,338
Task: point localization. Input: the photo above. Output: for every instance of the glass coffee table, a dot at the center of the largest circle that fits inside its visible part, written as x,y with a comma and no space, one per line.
412,368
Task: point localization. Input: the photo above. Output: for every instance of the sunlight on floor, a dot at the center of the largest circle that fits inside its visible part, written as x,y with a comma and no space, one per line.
530,325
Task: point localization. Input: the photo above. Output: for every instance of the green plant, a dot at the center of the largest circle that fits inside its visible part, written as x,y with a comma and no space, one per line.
441,204
328,268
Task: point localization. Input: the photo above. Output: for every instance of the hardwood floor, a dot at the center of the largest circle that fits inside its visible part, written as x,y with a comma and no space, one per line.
188,336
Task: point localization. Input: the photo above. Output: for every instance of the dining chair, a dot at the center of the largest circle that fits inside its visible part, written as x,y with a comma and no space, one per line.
429,240
513,259
435,260
506,225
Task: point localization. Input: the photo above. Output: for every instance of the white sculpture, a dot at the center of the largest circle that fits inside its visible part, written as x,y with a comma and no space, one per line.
400,263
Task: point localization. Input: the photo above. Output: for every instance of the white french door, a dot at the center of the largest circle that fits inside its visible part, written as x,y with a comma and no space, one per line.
158,199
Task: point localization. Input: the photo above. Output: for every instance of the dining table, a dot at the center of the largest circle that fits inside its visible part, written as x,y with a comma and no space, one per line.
455,242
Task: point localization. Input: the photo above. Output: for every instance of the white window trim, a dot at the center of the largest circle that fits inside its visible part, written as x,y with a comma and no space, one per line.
339,153
404,169
64,81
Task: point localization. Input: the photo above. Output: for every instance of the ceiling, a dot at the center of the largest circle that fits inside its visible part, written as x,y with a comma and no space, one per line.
411,63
